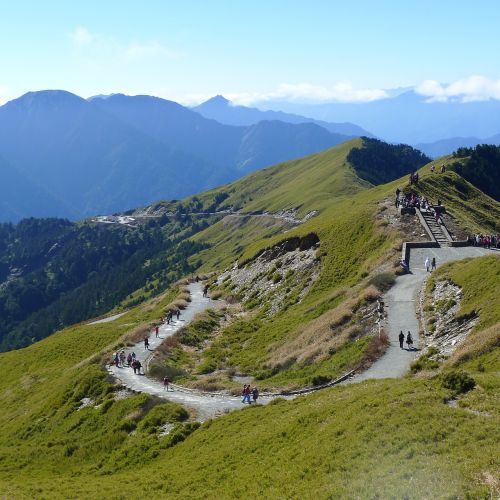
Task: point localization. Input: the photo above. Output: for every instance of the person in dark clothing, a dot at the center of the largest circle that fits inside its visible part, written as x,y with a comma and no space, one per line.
401,339
409,340
205,290
146,344
433,264
255,394
178,313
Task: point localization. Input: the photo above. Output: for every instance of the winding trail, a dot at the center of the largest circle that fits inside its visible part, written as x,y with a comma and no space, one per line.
401,305
206,405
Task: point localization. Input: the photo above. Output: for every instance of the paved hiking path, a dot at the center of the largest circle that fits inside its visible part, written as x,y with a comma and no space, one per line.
205,404
401,303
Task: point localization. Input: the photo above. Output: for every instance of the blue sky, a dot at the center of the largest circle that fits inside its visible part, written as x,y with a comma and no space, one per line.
187,50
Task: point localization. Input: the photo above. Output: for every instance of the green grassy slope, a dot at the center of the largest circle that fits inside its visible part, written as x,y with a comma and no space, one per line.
309,183
476,211
380,438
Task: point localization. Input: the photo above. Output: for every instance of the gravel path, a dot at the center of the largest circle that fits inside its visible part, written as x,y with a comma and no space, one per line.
401,302
206,405
109,319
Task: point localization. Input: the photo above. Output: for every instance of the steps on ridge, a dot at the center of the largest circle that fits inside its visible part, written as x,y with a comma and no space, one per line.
435,229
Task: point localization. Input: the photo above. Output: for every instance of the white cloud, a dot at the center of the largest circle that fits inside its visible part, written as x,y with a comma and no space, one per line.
82,36
473,88
306,92
98,45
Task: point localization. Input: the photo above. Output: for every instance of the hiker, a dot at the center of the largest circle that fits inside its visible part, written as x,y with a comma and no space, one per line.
157,331
197,278
178,313
433,168
205,290
409,340
433,264
116,359
404,265
427,264
255,394
138,366
122,358
401,339
129,359
133,356
146,343
166,382
134,365
246,393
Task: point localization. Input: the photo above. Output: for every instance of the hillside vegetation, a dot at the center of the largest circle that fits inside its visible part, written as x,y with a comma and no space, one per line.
395,437
385,438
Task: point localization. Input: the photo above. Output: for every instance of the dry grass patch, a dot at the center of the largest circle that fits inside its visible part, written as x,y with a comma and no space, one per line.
184,296
216,294
476,345
178,304
137,334
325,335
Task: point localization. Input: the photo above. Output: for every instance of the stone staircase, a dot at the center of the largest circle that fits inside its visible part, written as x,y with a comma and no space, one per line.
438,231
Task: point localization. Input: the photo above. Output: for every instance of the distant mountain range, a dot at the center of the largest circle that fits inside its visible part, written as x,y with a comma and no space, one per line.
71,157
406,117
447,146
221,109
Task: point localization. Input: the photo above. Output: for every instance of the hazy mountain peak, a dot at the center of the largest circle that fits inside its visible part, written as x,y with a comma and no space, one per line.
218,100
42,98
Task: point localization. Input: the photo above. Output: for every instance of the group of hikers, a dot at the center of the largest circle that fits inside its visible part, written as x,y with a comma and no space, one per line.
484,240
169,317
430,265
249,392
442,170
411,200
119,359
409,340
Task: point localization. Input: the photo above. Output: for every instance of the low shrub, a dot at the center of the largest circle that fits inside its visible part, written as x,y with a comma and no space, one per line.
318,380
383,281
216,294
458,381
159,372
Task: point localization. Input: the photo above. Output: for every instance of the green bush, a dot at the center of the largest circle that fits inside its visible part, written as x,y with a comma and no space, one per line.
160,372
383,281
458,381
320,380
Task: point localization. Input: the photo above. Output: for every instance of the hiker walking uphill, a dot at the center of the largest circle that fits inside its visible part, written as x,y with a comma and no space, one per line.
146,343
401,339
205,291
433,264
